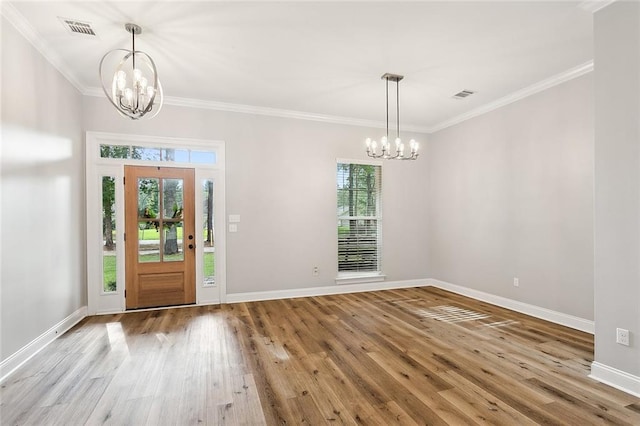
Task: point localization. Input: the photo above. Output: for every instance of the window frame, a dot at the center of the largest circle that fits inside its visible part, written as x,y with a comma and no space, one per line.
355,277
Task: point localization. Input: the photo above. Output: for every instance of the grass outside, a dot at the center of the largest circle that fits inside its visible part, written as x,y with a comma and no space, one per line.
154,234
109,268
109,271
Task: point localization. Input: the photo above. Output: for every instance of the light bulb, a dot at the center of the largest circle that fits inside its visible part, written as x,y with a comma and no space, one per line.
128,94
137,75
121,80
398,141
368,142
143,84
401,150
150,91
374,145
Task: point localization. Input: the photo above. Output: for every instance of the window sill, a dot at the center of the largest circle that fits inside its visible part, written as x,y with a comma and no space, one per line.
360,278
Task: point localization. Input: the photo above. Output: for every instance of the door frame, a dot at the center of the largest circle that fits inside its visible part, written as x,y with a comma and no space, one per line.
100,302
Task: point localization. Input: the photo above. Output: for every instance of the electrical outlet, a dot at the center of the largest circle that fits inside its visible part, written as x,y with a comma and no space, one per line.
516,282
316,271
622,336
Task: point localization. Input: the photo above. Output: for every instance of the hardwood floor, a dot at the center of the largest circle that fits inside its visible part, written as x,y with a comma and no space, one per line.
411,356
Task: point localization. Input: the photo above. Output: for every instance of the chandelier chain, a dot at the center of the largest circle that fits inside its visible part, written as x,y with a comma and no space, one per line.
386,98
397,109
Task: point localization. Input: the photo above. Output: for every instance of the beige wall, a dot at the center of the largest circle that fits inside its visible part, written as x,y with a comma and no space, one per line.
511,195
42,274
280,179
617,185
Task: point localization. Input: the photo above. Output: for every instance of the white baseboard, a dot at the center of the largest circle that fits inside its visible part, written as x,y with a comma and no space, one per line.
323,291
615,378
108,312
535,311
206,302
10,364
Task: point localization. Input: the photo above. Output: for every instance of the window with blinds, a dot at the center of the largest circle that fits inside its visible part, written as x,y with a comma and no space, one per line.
359,217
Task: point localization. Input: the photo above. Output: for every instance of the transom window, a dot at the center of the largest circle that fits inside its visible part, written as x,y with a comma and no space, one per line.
176,155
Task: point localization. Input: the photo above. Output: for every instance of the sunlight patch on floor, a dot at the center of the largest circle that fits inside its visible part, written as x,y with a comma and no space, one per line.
451,314
504,323
117,338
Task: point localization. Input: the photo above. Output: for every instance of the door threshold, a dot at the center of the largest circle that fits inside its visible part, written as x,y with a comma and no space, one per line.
157,308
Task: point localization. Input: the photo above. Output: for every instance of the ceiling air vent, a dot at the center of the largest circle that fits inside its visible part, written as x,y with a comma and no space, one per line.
463,94
77,27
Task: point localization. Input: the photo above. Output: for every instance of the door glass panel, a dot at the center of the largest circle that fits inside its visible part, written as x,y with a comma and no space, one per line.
173,241
149,237
148,242
208,238
172,197
108,234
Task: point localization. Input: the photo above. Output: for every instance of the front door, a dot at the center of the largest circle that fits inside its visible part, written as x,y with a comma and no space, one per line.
159,236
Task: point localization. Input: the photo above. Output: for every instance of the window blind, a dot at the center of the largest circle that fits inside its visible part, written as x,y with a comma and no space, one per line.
359,218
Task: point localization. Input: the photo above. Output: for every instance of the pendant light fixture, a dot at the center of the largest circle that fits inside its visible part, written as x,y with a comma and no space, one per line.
133,86
397,153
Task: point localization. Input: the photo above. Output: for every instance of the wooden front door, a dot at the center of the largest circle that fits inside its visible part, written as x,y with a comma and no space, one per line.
159,236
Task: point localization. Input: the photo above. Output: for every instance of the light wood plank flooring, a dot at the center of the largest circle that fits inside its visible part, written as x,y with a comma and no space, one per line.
412,356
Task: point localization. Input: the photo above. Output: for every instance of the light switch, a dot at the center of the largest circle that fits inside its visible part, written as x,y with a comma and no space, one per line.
233,227
234,218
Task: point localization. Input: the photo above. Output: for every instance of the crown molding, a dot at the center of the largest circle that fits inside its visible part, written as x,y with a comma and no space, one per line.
271,112
517,95
283,113
23,26
595,5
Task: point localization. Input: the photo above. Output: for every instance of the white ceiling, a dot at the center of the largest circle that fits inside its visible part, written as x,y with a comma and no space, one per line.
325,58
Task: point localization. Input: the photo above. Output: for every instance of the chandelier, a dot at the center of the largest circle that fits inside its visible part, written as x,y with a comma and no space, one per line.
134,88
397,153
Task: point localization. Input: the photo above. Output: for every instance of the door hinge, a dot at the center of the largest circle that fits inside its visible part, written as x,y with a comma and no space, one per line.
125,236
125,293
124,180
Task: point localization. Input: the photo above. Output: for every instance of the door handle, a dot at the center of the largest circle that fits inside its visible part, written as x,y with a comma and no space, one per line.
191,246
191,237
